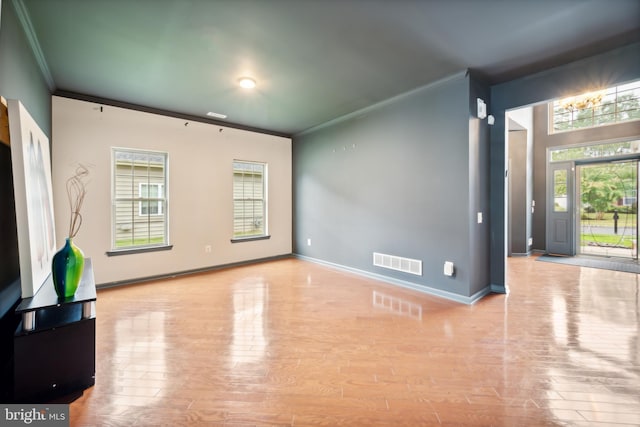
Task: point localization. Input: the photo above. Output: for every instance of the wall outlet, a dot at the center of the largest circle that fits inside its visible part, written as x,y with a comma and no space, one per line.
309,242
449,269
530,241
207,249
479,217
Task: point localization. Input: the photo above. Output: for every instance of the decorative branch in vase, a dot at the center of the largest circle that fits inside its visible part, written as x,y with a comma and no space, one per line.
76,192
68,262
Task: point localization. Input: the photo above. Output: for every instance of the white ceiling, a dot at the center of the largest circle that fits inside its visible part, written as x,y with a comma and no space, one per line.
313,60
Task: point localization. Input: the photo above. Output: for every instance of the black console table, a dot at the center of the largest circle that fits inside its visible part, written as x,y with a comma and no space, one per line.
54,344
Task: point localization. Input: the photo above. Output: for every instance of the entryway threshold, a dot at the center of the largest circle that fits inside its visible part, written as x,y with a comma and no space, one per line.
616,264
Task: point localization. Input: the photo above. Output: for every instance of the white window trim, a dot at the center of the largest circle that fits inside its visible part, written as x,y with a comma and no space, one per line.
166,245
265,203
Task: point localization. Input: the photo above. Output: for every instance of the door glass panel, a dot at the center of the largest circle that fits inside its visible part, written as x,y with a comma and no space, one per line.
608,209
560,191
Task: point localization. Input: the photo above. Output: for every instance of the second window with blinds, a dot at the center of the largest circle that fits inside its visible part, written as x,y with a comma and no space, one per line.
249,201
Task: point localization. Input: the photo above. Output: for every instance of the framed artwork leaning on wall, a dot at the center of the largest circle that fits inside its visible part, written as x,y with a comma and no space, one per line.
31,164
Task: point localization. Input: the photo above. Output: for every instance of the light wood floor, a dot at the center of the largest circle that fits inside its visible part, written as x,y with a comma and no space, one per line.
292,343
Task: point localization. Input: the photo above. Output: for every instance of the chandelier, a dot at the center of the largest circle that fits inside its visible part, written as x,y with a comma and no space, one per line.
580,102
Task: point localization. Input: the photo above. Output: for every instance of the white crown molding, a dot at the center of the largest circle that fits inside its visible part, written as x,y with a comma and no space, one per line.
25,20
383,103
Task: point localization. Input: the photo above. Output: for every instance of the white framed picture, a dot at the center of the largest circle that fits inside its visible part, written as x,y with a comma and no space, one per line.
31,164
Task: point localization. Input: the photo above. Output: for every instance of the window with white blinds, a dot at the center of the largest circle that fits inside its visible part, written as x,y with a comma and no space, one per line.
249,199
139,199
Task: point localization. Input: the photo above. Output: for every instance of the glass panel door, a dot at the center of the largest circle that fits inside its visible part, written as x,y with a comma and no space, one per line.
608,209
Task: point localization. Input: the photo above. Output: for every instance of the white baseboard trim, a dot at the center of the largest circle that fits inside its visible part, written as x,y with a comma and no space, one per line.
403,283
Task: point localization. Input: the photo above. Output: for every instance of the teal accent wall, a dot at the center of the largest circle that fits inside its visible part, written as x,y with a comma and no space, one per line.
604,70
406,178
20,75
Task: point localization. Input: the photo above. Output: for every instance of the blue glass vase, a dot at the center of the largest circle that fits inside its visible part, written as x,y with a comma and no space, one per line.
67,268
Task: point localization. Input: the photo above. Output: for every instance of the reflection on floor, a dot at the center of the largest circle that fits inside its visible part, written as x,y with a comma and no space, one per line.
292,343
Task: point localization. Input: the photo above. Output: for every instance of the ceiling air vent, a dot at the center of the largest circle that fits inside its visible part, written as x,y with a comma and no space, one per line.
406,265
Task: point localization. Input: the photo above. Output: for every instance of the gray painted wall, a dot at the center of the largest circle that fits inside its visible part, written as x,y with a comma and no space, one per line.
20,75
478,187
543,141
400,178
611,68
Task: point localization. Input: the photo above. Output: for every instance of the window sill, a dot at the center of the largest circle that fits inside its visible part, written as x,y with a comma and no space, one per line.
132,251
249,239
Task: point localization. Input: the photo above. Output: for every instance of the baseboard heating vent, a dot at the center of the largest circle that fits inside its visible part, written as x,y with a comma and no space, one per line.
407,265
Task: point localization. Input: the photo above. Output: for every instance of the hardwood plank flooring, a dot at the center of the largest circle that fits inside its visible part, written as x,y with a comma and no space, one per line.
293,343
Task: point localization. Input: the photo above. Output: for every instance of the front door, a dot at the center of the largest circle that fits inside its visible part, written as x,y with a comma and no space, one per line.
560,209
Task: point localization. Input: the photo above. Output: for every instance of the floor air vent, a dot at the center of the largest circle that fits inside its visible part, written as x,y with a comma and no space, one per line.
407,265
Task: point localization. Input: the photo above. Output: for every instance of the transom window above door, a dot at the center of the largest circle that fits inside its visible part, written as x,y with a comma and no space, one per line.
615,104
595,151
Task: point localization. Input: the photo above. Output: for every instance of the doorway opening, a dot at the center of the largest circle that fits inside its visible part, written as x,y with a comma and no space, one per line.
592,200
608,220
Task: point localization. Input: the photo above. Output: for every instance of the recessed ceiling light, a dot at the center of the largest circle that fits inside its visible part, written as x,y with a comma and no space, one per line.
216,115
247,82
